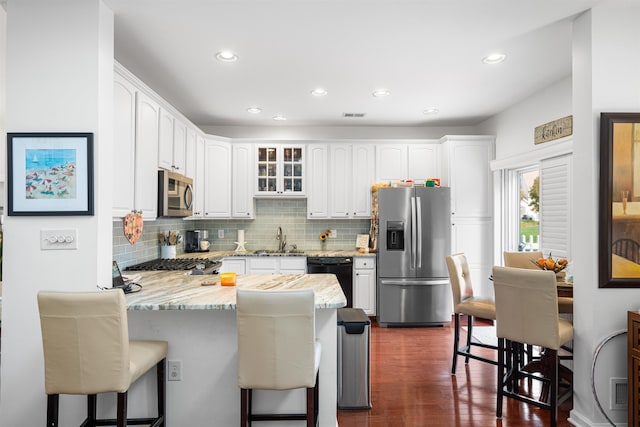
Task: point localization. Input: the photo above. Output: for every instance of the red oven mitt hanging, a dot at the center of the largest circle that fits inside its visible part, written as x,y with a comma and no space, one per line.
133,224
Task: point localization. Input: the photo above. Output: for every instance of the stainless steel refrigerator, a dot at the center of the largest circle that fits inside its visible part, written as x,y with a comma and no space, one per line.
414,237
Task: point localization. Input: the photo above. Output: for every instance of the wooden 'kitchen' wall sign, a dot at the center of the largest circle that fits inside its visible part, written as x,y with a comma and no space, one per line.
554,130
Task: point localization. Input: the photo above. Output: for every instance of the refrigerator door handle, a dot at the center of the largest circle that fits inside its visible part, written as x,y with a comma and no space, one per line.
419,230
413,233
415,282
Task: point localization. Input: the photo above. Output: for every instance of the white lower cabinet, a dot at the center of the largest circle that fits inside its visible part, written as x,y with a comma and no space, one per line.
237,265
277,265
364,284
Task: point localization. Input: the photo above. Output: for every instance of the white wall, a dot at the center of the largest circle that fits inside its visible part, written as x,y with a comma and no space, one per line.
604,78
514,127
59,78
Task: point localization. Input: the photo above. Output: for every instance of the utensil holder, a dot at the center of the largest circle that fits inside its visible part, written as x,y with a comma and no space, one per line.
168,252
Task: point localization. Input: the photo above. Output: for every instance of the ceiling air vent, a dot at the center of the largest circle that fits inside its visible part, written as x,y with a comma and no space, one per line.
354,115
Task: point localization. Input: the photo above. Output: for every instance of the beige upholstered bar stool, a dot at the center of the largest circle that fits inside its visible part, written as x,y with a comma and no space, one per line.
526,313
464,303
277,349
523,260
87,351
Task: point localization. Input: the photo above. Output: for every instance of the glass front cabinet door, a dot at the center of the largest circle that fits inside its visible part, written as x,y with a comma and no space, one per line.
280,170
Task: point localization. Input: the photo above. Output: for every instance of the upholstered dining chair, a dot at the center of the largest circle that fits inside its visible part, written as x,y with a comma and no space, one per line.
523,260
87,351
277,349
464,303
526,313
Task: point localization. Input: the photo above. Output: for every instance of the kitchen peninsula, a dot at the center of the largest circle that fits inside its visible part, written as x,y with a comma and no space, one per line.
199,322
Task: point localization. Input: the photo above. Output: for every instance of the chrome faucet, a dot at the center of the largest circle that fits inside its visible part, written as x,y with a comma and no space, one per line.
282,240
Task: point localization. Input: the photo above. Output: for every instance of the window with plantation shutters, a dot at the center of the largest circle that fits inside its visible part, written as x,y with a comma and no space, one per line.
555,205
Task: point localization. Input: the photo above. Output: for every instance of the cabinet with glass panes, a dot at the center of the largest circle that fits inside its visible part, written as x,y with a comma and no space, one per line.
280,170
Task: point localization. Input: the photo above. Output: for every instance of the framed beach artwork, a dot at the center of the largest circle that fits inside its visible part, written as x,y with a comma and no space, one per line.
619,207
50,174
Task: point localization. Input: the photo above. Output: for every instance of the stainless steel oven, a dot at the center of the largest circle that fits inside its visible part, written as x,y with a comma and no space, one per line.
175,194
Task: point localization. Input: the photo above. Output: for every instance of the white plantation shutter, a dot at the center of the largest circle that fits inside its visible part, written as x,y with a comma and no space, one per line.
555,206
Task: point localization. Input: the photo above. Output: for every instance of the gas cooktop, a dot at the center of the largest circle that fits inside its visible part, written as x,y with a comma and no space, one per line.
196,265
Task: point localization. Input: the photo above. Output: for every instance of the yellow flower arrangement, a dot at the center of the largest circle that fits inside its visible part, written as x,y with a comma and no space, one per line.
324,236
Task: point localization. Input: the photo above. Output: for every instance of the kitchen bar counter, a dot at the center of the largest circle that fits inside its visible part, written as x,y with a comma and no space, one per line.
299,252
199,322
175,290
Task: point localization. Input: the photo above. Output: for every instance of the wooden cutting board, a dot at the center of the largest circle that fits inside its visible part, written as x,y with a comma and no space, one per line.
132,225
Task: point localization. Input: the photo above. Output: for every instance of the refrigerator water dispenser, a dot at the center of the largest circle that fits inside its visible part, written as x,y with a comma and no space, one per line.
395,235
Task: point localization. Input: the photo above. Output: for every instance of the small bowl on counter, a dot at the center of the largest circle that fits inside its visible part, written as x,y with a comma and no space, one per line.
228,278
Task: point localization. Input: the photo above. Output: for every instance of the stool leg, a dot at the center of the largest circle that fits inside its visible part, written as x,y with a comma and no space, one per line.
162,391
243,406
501,371
317,399
456,339
52,410
311,407
122,410
92,405
553,401
469,331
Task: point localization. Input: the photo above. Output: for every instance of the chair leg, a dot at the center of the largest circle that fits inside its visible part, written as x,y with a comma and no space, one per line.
244,396
469,332
554,387
501,372
52,410
456,339
162,391
121,420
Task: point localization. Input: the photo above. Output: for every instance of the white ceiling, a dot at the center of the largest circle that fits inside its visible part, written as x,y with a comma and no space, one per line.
427,53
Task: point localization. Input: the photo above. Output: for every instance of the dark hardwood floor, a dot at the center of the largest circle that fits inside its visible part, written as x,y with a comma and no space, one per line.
411,385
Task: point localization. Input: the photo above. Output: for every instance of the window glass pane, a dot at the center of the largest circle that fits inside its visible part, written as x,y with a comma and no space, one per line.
529,212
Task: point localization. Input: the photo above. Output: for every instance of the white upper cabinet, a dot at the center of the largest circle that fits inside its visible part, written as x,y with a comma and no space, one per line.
146,169
190,154
423,162
179,146
124,145
469,175
135,176
173,140
280,170
363,161
391,162
317,182
199,179
217,179
242,181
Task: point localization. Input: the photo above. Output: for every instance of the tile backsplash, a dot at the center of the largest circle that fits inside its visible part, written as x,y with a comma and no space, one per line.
259,233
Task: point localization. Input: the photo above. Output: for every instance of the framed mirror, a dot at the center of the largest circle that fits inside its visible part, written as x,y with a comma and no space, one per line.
619,236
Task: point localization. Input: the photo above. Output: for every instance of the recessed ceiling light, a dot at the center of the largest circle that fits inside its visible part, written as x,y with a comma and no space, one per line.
494,58
319,92
226,56
380,93
254,110
431,111
279,117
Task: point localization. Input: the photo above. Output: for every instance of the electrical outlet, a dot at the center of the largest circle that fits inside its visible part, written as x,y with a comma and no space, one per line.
220,234
333,234
175,370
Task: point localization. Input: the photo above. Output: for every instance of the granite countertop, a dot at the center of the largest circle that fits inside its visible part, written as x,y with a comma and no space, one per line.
175,290
300,252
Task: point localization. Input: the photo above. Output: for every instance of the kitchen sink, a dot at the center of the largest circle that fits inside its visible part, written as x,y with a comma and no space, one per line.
267,252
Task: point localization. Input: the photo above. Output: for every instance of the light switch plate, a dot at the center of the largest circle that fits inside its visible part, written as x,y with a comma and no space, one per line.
58,239
220,234
333,234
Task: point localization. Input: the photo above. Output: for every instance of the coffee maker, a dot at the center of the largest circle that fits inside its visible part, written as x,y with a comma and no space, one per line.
193,239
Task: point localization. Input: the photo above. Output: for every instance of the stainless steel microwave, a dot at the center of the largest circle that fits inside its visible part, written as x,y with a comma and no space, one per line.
175,194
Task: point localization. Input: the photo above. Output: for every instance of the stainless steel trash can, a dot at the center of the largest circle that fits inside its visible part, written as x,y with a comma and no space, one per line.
353,359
